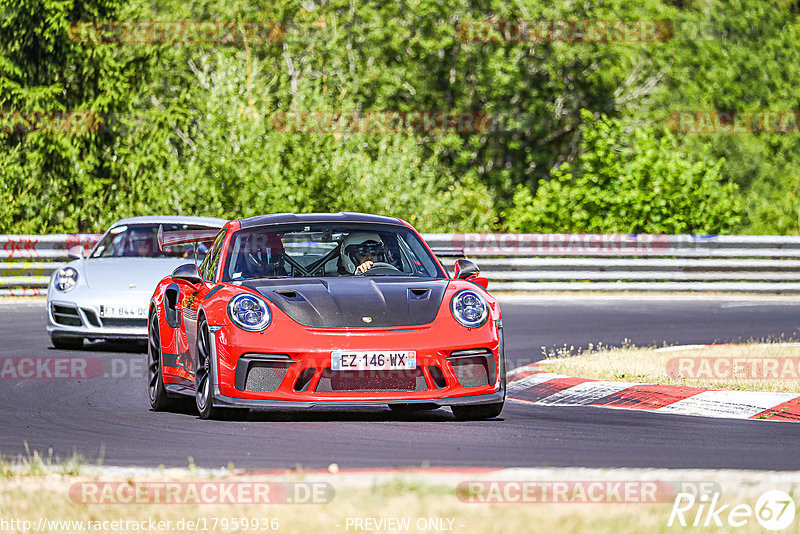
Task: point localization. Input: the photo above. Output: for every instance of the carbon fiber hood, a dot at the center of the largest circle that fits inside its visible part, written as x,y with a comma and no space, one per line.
355,302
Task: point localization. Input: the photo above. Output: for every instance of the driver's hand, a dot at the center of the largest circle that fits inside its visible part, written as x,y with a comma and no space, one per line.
364,267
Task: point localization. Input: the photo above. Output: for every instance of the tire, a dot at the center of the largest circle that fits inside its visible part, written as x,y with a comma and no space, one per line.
67,343
478,411
204,379
160,400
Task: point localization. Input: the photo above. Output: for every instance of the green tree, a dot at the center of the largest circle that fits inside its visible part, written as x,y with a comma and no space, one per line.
193,131
628,180
54,177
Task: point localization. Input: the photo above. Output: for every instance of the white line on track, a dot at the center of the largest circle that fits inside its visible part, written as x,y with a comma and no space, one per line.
586,393
732,404
532,380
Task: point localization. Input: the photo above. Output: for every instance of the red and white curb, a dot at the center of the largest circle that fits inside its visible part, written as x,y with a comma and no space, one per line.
531,385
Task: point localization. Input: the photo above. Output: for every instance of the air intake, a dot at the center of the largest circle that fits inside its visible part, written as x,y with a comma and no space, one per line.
474,367
66,315
262,372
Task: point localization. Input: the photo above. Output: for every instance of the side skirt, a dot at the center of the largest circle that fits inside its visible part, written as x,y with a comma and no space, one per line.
179,389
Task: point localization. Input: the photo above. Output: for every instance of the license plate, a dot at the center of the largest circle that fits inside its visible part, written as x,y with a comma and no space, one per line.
373,360
123,312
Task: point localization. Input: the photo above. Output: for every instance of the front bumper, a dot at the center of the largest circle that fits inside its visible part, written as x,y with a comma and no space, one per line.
231,402
447,389
81,318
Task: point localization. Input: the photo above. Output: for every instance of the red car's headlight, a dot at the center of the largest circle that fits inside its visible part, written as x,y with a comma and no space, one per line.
469,308
249,312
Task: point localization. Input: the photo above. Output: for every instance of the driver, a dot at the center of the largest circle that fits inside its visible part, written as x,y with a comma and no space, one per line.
361,250
140,245
267,256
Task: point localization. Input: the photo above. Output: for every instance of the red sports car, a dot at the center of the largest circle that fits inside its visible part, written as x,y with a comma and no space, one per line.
324,310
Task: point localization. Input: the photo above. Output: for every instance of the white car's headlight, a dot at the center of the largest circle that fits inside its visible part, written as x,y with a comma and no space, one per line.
469,308
249,312
66,279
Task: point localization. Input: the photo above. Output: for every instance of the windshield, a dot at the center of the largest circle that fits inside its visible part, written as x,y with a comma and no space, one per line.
327,250
139,241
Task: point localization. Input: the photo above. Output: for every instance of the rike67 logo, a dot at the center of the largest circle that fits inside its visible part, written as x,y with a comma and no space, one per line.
774,510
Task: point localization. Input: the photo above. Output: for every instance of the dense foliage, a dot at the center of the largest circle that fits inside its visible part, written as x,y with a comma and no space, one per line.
628,181
580,139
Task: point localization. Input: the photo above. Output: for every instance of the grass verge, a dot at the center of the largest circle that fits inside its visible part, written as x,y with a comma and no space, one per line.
44,494
379,507
747,367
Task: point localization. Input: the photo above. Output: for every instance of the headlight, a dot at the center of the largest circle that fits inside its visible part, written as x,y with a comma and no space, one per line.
249,312
469,308
66,279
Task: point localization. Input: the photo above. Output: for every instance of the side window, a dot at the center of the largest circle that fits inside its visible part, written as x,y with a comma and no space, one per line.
209,266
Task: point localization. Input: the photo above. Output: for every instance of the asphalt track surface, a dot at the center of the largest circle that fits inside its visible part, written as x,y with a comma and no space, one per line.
108,418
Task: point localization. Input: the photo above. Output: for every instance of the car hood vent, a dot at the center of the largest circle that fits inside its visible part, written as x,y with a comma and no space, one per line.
355,302
289,294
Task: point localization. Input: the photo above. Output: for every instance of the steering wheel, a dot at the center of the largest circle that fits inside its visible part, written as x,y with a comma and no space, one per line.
252,266
380,267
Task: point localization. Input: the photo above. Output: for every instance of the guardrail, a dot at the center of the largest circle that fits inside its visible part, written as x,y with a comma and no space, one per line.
27,261
527,262
619,262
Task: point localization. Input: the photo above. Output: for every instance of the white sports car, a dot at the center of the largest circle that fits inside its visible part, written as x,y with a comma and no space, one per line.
105,295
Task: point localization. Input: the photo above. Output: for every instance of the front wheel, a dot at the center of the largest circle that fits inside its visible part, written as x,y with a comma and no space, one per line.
159,399
479,411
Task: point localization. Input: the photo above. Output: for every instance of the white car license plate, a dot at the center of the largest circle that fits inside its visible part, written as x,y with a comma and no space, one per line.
373,360
122,312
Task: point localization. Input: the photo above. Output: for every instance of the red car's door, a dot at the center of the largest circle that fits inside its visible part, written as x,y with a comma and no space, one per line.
194,296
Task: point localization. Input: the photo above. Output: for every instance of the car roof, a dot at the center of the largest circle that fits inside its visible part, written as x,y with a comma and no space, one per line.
179,219
300,218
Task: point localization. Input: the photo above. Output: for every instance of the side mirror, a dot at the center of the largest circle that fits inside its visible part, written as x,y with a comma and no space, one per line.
188,272
76,252
466,268
469,271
